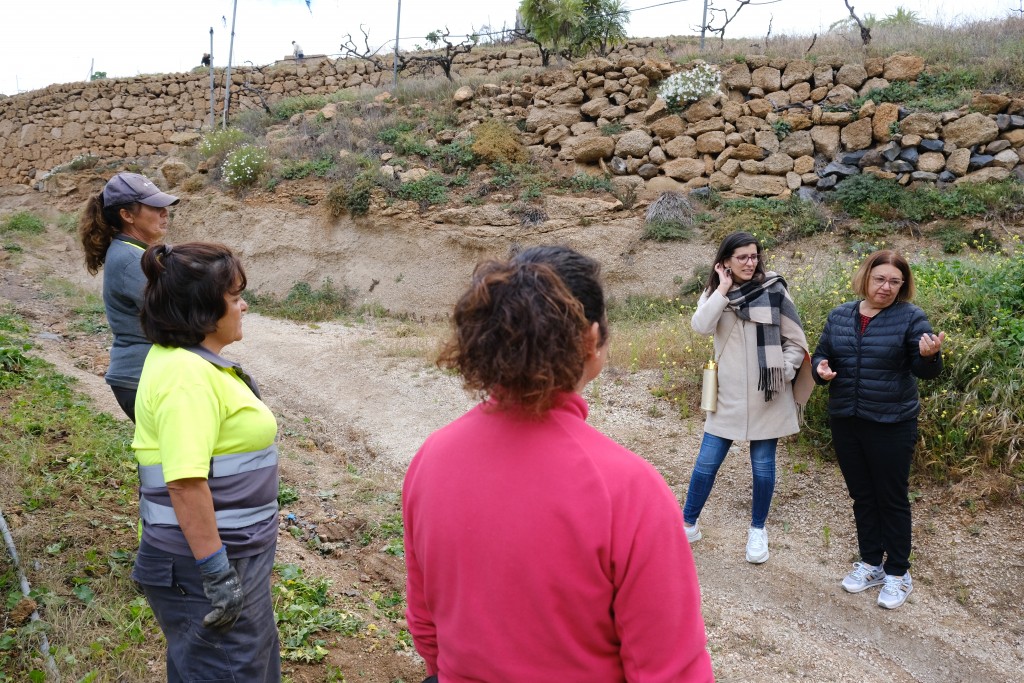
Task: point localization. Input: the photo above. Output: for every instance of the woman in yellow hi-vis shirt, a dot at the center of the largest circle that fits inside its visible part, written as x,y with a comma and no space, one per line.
207,471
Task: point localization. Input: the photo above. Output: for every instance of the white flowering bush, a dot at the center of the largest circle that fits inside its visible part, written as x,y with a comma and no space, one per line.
217,142
243,166
685,87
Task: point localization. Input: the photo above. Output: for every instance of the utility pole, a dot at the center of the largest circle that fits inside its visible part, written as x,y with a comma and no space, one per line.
227,73
703,25
398,22
92,63
213,90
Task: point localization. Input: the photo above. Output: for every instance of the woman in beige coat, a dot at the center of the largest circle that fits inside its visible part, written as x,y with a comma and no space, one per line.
763,373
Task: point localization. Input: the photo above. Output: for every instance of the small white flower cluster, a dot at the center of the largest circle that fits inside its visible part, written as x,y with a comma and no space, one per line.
685,87
243,165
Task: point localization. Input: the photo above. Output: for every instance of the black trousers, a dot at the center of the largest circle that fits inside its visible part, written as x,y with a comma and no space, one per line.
126,399
875,460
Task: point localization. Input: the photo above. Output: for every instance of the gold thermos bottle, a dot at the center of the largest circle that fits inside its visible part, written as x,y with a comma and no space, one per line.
709,389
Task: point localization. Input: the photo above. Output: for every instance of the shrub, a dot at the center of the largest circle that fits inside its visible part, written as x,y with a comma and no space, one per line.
68,222
494,141
244,165
453,156
685,87
253,122
782,128
669,217
584,182
194,182
284,109
874,199
664,231
24,222
301,169
219,142
82,162
303,303
770,220
431,189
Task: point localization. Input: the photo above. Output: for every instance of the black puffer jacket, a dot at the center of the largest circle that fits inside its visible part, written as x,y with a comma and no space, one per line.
876,373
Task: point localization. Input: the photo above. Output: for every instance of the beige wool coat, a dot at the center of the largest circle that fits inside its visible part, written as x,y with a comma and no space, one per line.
743,414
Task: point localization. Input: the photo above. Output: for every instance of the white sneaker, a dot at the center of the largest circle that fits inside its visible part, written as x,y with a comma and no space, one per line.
693,533
863,577
895,591
757,545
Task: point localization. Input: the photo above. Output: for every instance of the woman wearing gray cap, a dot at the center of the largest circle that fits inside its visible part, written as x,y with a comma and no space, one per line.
116,226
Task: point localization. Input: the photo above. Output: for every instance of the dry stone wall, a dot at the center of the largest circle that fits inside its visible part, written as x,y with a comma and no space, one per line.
138,117
777,126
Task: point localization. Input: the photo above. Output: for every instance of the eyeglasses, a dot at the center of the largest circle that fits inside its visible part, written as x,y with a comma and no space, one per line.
878,281
747,258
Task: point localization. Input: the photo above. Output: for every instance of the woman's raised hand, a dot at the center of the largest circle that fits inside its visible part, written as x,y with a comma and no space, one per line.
931,344
724,278
825,372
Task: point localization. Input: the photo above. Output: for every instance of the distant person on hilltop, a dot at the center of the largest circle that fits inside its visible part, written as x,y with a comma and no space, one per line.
297,50
206,59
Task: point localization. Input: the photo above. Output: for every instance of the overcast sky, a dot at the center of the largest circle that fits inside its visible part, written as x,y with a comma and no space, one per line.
56,41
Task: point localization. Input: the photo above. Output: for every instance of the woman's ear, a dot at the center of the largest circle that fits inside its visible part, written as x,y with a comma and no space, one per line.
592,340
126,216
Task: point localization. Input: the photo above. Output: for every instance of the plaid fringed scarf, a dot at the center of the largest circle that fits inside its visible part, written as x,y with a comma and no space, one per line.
766,304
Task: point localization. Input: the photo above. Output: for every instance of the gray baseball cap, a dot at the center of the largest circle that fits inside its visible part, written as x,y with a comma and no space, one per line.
128,188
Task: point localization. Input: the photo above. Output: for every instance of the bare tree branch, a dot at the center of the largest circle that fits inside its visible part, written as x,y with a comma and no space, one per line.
349,50
810,47
865,32
445,56
723,14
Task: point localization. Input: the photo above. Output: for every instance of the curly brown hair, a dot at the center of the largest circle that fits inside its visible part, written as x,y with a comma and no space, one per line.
520,334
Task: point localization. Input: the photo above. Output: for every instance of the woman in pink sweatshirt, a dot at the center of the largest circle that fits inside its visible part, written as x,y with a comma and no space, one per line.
537,548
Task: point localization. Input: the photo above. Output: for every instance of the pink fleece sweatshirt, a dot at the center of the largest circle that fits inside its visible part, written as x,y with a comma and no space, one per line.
541,550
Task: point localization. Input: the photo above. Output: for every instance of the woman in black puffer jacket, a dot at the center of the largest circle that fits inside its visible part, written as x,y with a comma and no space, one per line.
871,353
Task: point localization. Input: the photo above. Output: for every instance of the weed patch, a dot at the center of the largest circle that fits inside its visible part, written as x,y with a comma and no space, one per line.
303,303
23,222
320,167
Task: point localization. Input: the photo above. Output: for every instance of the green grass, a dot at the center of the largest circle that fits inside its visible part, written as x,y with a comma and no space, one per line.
667,230
24,223
304,303
877,200
429,190
320,167
772,221
68,476
934,92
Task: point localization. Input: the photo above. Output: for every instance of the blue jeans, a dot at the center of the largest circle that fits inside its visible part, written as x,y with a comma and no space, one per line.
713,450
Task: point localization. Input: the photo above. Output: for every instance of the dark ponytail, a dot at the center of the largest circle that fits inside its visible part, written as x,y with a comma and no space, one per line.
185,290
96,229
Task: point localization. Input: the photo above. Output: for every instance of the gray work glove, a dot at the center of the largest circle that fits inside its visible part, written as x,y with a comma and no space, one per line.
223,588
